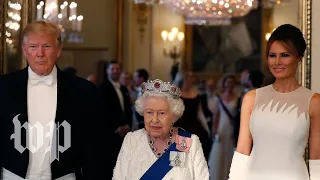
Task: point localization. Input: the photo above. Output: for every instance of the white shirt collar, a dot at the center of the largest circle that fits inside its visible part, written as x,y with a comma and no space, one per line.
115,84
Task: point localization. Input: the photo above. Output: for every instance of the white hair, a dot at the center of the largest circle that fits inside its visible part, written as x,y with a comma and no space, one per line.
176,105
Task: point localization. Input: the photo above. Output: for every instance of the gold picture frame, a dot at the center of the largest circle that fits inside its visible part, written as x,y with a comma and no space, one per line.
305,69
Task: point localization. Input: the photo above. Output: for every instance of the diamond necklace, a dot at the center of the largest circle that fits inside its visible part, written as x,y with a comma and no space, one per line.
154,149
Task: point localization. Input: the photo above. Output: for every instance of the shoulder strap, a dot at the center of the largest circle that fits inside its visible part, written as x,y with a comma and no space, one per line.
225,108
184,133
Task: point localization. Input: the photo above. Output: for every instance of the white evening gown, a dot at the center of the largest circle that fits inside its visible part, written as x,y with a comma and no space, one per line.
279,126
222,150
136,157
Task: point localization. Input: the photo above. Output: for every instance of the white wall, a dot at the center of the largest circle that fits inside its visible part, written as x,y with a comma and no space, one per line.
315,53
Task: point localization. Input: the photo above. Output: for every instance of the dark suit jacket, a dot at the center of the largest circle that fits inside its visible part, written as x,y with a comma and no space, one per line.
111,107
76,104
113,116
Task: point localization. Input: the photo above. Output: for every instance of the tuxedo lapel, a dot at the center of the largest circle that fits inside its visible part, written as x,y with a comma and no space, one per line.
61,97
20,96
61,111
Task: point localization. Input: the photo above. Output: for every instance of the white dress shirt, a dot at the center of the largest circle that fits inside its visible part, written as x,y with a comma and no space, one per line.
117,86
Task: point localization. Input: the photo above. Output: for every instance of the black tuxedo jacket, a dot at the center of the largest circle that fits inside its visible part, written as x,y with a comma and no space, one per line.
76,104
111,107
112,117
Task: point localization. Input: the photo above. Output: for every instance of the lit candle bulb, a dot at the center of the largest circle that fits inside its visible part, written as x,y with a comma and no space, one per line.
63,11
73,9
39,11
79,23
59,18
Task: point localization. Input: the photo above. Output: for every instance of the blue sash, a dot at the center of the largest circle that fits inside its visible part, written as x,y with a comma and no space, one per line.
162,166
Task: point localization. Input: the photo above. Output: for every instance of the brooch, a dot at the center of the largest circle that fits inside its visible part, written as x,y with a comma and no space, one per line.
177,158
183,143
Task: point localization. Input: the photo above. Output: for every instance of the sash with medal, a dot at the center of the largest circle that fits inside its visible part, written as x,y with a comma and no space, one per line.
165,163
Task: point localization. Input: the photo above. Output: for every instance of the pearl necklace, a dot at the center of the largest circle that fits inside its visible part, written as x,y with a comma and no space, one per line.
154,149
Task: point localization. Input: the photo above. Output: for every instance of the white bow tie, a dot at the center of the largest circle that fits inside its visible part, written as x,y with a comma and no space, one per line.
35,80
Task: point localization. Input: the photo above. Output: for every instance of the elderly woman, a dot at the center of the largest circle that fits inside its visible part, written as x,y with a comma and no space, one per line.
160,150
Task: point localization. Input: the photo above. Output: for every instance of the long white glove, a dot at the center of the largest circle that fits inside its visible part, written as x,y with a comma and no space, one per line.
238,166
314,167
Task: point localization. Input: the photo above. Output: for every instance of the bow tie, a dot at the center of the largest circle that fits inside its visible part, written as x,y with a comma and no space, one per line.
35,80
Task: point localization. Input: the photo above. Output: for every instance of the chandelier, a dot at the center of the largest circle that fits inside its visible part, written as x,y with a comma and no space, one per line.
68,21
210,12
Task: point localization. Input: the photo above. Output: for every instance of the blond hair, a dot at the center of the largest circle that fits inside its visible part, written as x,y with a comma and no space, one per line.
42,27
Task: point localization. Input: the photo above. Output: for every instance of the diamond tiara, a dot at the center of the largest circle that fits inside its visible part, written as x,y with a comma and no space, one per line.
161,87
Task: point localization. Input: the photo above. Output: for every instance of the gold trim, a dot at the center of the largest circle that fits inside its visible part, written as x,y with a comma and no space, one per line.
120,31
3,16
26,15
305,68
267,27
305,25
152,40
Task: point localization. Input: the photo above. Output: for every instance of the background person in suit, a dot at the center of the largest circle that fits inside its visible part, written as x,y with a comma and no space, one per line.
140,76
117,116
43,94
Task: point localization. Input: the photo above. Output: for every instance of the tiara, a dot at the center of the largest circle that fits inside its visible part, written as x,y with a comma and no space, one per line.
161,87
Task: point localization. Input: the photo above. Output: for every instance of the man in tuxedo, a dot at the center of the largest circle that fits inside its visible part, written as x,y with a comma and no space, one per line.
46,115
117,114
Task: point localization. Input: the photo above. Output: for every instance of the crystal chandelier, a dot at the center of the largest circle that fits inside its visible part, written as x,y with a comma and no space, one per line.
68,21
210,12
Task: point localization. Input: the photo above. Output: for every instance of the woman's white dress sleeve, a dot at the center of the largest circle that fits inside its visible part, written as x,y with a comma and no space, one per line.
200,166
124,158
